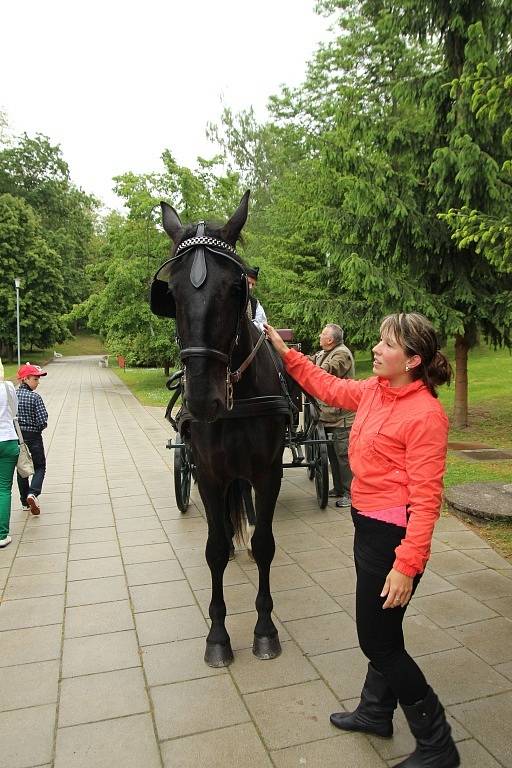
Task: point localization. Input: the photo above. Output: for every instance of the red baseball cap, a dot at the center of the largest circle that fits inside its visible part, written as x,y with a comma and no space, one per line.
30,370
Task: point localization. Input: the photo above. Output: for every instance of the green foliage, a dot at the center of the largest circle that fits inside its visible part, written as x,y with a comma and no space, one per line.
34,170
24,253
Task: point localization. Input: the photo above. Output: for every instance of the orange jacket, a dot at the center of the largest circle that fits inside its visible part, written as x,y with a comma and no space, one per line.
397,450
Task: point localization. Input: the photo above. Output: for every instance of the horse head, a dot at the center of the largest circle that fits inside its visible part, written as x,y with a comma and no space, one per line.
204,286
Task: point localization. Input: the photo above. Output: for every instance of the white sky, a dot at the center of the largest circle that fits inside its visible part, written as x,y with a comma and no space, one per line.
115,83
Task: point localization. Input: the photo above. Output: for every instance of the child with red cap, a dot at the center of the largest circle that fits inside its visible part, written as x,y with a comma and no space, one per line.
33,418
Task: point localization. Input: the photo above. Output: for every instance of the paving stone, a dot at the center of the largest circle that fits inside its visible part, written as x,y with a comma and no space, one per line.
341,581
94,521
125,513
473,755
504,669
299,603
31,612
303,709
432,584
321,634
102,696
100,653
98,619
322,560
186,524
168,594
182,709
449,609
138,538
39,564
95,568
22,646
101,590
130,739
153,573
148,553
422,636
94,549
41,532
28,685
170,625
138,524
453,562
17,750
252,674
480,718
176,662
357,752
301,542
459,675
191,558
48,518
35,586
88,535
491,559
464,540
344,671
483,585
44,547
491,639
231,747
501,605
283,577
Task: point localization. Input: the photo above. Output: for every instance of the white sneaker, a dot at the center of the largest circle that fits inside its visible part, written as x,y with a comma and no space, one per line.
25,507
5,542
33,504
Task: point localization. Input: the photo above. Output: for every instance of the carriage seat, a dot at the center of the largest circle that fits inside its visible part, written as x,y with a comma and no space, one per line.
285,333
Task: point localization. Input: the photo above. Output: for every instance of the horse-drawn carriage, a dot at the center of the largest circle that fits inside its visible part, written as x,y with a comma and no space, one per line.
305,440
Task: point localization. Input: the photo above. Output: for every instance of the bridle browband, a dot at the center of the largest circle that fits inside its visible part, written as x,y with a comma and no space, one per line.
199,244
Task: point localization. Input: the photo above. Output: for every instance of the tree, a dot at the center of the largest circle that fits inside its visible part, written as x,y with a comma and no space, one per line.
34,170
24,253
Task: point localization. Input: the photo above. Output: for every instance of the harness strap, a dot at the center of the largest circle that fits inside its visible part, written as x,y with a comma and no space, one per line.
237,375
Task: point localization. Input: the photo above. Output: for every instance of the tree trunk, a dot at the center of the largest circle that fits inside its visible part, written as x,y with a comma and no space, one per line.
167,367
460,409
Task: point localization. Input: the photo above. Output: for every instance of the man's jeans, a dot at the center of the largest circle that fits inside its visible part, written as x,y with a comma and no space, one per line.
34,441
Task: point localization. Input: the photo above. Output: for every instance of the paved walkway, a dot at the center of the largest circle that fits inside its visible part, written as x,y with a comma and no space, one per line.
103,618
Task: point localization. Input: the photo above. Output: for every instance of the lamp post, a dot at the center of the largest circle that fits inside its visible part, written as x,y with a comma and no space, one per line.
17,286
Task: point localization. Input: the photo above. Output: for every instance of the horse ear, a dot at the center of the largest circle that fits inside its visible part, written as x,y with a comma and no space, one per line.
170,220
231,230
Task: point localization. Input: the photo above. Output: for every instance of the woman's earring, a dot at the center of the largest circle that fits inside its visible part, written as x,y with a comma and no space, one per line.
406,367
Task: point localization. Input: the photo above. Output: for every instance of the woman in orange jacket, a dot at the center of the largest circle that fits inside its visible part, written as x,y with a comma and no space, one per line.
397,454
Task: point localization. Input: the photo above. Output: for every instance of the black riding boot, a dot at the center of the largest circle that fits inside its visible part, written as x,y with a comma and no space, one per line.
374,713
435,747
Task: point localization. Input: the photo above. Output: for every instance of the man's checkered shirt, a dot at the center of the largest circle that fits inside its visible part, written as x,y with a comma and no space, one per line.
32,414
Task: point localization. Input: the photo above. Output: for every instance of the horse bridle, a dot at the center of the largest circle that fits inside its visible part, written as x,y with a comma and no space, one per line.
198,272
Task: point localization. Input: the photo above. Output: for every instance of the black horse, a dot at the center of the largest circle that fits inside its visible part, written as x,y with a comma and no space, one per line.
234,405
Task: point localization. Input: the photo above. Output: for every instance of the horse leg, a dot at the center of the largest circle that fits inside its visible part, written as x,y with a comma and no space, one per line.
218,651
266,643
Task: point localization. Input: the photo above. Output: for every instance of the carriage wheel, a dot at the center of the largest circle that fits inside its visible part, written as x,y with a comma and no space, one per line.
182,473
310,449
321,467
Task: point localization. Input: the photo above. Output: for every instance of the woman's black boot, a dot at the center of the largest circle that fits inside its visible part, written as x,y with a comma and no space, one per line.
374,713
435,747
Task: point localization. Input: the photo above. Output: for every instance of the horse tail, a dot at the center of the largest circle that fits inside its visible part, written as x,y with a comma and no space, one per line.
235,508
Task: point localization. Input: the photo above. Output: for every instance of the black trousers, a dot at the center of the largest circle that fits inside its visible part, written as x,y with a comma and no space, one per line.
381,638
380,631
34,441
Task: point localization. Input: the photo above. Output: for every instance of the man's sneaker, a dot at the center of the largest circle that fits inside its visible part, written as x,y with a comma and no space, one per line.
334,494
5,542
25,506
345,501
33,504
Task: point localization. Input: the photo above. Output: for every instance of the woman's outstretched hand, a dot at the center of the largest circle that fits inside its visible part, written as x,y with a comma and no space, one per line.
275,339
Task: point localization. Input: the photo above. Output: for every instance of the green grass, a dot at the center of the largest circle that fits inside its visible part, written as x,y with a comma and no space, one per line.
81,344
147,384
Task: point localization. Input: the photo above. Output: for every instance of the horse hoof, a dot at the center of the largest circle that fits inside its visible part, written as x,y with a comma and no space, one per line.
266,647
217,655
